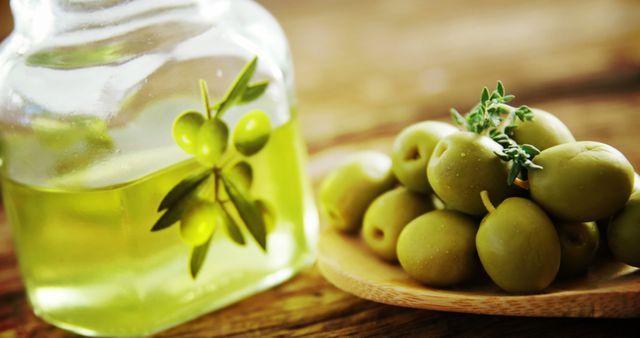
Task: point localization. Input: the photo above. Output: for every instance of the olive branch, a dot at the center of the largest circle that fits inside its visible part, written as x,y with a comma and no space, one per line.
230,184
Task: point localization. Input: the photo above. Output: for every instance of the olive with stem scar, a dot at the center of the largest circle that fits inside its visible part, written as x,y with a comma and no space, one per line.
388,215
412,150
346,192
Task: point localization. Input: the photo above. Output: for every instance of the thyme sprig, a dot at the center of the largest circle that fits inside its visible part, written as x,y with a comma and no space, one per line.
498,120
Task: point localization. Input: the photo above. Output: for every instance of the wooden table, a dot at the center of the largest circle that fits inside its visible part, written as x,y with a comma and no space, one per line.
365,69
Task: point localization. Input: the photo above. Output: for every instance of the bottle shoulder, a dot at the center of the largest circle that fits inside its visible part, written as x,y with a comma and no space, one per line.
244,22
238,29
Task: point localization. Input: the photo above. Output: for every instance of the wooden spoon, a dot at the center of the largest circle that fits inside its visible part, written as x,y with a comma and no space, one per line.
609,289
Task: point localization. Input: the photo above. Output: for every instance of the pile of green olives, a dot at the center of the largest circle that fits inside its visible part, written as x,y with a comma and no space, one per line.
442,205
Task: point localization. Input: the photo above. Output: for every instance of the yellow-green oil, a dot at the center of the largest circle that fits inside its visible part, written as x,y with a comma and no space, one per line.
90,263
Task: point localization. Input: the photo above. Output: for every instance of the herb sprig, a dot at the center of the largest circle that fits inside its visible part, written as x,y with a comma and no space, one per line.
224,181
495,118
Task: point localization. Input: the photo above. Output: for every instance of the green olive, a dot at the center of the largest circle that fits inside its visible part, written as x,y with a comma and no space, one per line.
198,223
519,246
412,150
387,216
437,203
579,244
252,132
438,248
464,164
603,229
581,181
636,183
241,174
185,130
624,233
213,138
544,131
346,192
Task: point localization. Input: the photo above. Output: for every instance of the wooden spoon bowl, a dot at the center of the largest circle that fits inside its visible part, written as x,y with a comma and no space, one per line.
609,289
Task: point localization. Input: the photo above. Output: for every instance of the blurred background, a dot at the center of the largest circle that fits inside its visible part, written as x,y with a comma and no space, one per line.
367,68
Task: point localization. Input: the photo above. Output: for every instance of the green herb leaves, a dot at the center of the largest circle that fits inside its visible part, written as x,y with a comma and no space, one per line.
218,196
488,114
521,155
493,117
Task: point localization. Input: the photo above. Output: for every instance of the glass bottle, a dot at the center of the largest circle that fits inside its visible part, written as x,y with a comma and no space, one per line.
89,90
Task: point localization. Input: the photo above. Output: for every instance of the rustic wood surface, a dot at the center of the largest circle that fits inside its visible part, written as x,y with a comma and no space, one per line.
6,21
365,69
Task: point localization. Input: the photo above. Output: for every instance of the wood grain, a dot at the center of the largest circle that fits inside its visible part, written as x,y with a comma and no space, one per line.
367,68
6,21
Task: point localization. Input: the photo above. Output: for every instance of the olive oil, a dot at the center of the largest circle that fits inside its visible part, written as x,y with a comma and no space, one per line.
90,263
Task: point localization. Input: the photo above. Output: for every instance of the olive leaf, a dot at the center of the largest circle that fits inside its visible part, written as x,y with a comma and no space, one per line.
238,87
233,230
242,174
170,217
253,92
215,106
197,257
204,92
248,210
183,189
176,200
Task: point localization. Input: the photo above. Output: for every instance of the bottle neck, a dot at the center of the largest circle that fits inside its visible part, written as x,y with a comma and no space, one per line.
40,18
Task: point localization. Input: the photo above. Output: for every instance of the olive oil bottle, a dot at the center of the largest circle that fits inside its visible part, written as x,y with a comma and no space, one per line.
88,100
